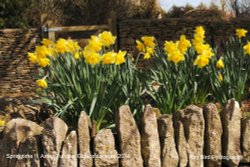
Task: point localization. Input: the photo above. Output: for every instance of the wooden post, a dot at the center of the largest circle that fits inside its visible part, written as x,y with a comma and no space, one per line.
45,24
112,24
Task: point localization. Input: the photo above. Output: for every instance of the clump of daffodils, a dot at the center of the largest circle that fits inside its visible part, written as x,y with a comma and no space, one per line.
146,46
97,51
175,51
94,54
203,50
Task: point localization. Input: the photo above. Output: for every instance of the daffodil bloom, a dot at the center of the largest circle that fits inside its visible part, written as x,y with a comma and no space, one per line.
2,123
240,32
95,44
72,46
170,46
201,61
43,62
140,46
146,56
107,38
120,57
175,57
220,64
76,55
42,51
93,58
220,77
46,42
199,32
183,44
148,41
32,57
247,48
109,58
61,46
42,83
150,51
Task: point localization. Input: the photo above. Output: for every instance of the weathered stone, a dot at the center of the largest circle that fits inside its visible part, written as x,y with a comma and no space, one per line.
19,130
182,145
84,140
194,127
29,150
19,139
150,141
231,122
129,138
169,155
52,139
69,151
105,146
213,134
246,139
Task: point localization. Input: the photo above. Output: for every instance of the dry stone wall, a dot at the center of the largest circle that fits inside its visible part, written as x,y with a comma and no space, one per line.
15,70
172,28
165,141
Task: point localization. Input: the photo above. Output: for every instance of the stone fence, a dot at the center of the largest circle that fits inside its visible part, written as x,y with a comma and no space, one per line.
193,137
15,71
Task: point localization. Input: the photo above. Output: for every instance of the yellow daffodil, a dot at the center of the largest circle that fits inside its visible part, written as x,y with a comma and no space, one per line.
247,48
176,57
43,62
76,55
146,56
32,57
61,46
109,58
42,51
201,61
107,38
170,46
199,32
2,123
150,51
140,46
220,77
93,58
42,83
94,44
72,46
220,64
120,57
183,44
148,41
46,42
240,32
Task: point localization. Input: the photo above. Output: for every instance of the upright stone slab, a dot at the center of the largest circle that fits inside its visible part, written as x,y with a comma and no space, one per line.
19,138
194,127
52,139
69,151
105,149
213,134
129,138
231,121
180,139
30,150
246,140
150,142
84,140
169,155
